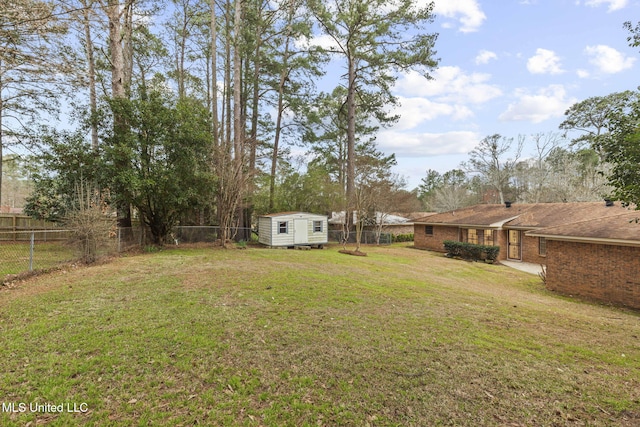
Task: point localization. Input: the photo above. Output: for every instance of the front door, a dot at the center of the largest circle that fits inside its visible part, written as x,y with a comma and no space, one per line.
515,245
300,232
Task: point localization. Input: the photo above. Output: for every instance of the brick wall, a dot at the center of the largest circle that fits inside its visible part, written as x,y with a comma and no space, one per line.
433,242
531,251
501,240
441,233
604,273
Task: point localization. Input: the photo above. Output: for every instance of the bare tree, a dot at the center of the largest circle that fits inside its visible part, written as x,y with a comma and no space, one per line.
488,160
27,66
534,175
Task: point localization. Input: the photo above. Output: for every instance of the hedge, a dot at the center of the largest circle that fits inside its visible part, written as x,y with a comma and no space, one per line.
403,237
471,251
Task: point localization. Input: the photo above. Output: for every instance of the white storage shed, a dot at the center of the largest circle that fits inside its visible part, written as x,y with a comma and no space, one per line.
293,229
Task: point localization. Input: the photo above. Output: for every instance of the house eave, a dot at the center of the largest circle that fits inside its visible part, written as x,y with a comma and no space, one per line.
494,225
582,239
441,224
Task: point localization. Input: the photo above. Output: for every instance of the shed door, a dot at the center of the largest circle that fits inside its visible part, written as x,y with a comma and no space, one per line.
514,244
300,232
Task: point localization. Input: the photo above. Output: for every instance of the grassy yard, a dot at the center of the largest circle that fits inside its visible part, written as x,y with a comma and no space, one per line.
262,337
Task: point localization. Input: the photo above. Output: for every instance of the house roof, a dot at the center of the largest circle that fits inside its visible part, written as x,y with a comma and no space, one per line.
415,215
541,215
524,216
621,229
390,219
478,215
387,218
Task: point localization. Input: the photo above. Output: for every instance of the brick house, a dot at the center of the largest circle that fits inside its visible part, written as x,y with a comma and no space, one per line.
589,249
598,260
507,226
482,224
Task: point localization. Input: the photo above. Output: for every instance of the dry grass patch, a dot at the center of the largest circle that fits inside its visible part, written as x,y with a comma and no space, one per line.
275,337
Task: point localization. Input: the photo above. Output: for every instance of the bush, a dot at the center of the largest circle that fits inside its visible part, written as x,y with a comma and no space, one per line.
471,251
89,223
403,237
491,253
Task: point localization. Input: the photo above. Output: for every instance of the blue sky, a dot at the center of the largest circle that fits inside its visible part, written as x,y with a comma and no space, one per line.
510,67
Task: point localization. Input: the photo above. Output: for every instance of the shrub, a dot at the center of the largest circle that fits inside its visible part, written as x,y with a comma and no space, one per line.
471,251
89,224
453,249
403,237
491,253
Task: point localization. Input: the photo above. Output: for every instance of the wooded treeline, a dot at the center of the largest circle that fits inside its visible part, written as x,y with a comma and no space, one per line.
600,161
208,112
187,110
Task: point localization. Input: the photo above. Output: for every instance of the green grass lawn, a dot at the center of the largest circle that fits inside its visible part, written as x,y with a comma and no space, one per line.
263,337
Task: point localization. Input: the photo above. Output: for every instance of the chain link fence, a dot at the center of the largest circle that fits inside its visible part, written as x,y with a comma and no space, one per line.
137,237
368,237
24,251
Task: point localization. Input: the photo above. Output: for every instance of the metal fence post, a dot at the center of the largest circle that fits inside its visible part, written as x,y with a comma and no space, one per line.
31,251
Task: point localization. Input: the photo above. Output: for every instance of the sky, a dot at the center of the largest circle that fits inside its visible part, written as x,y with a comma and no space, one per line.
508,67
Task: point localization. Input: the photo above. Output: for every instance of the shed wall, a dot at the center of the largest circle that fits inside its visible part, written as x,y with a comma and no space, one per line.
281,239
269,230
264,230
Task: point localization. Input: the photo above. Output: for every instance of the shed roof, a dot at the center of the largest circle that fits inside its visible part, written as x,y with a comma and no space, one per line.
276,214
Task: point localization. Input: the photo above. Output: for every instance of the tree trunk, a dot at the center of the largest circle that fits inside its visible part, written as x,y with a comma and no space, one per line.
281,87
118,84
1,136
214,76
91,73
351,143
238,125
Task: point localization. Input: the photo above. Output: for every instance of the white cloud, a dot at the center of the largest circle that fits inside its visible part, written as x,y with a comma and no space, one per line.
414,111
427,144
613,4
467,12
608,60
547,103
484,56
544,62
583,74
450,84
323,40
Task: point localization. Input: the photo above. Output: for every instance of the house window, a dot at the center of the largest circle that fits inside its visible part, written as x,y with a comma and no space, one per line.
317,226
282,227
488,237
542,246
472,236
428,230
